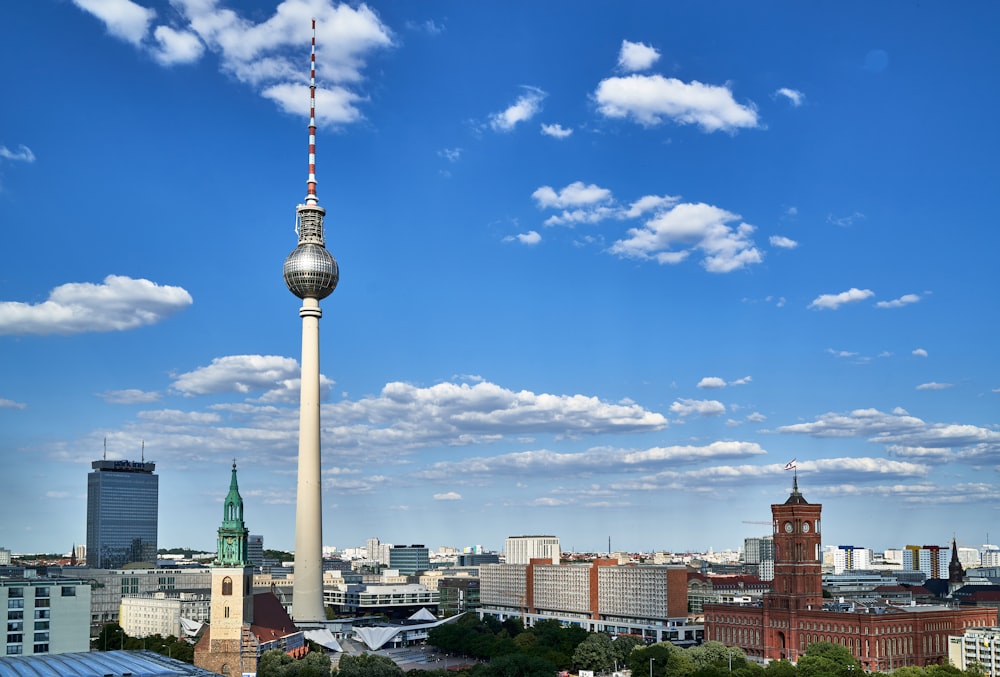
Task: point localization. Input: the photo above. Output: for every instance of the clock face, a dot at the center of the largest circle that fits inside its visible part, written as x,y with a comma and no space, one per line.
805,527
788,527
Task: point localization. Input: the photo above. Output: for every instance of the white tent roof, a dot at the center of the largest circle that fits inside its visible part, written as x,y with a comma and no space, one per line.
377,637
423,615
325,638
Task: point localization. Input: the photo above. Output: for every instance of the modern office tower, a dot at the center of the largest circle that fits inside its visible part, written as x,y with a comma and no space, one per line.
255,550
851,558
44,616
409,559
756,550
122,508
311,273
930,559
523,549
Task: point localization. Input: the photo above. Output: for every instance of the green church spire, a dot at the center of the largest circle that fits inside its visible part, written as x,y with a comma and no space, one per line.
233,534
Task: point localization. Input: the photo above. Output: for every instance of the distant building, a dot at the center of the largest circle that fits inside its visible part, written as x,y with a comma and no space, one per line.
734,589
4,557
409,559
932,560
458,594
976,647
851,558
160,613
523,549
45,616
989,556
122,509
110,586
255,550
649,601
474,560
400,600
881,636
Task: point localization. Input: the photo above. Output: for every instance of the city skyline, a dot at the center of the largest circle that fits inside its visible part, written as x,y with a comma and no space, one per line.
606,271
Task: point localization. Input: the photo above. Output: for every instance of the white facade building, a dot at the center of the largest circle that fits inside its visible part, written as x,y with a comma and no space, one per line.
851,558
931,559
522,549
989,556
160,613
977,646
45,616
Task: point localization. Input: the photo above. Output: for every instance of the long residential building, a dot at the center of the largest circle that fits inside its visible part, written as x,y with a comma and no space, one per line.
976,647
45,616
523,549
649,601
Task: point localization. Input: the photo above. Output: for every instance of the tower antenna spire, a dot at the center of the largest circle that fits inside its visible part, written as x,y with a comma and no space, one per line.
311,198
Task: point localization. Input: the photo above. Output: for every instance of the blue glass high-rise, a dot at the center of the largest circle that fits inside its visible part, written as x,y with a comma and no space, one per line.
122,513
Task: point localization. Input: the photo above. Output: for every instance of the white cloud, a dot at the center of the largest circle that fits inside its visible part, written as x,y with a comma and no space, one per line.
11,404
834,301
449,496
556,131
670,236
450,154
117,304
919,352
651,99
796,97
238,374
904,300
130,396
711,382
741,381
529,238
686,407
124,19
576,194
783,242
841,353
844,221
430,27
636,56
935,386
526,107
176,47
22,154
756,417
268,55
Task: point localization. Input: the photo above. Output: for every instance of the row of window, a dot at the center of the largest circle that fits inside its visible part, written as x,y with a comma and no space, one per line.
18,626
16,649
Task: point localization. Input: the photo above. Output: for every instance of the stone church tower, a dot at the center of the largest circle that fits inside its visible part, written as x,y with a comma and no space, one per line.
229,647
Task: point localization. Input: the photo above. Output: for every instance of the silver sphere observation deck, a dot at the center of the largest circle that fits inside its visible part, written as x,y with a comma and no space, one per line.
310,270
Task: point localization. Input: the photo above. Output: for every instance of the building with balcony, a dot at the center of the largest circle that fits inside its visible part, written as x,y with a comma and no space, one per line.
976,647
45,616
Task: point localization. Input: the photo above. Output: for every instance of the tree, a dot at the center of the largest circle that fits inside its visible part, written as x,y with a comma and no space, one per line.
368,665
595,653
111,638
272,663
515,665
622,646
780,668
717,654
667,661
826,659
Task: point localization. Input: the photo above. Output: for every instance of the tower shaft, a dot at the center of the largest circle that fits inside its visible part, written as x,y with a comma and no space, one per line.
307,590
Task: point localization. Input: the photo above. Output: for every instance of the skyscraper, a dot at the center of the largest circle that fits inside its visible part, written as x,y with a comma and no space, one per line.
311,273
122,509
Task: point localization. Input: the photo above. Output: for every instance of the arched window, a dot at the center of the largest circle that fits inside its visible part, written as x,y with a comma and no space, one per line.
227,586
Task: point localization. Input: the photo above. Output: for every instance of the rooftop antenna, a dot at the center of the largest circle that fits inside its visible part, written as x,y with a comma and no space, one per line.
311,198
143,451
106,453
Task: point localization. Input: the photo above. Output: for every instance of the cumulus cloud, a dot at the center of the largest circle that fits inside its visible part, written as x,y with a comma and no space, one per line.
783,242
576,194
450,154
652,99
129,396
526,107
793,95
671,235
556,131
117,304
899,430
11,404
529,238
636,56
238,374
686,407
602,460
124,19
449,496
834,301
711,382
22,154
266,55
919,352
904,300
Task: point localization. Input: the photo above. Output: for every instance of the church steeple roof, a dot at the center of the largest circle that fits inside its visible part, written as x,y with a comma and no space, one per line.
233,534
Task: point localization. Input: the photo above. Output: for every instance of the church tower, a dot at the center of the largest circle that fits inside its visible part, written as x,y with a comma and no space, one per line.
231,646
798,562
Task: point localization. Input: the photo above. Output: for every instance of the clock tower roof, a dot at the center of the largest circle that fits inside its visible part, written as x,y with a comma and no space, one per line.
796,498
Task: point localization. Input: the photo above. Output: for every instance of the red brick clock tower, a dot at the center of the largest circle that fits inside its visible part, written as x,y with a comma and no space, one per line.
798,558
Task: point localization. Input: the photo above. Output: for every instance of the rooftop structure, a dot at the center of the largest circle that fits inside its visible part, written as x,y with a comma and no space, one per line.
122,512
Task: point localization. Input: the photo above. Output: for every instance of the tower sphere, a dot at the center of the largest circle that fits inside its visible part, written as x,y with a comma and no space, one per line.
311,271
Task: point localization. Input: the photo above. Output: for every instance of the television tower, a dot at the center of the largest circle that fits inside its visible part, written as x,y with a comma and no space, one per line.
311,273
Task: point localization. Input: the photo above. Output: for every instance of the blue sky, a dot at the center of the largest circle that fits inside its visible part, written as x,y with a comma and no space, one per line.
605,268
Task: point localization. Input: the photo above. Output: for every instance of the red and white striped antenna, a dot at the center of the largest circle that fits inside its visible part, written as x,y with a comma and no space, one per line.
311,198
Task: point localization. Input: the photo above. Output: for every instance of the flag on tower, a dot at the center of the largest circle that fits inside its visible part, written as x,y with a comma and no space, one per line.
791,465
